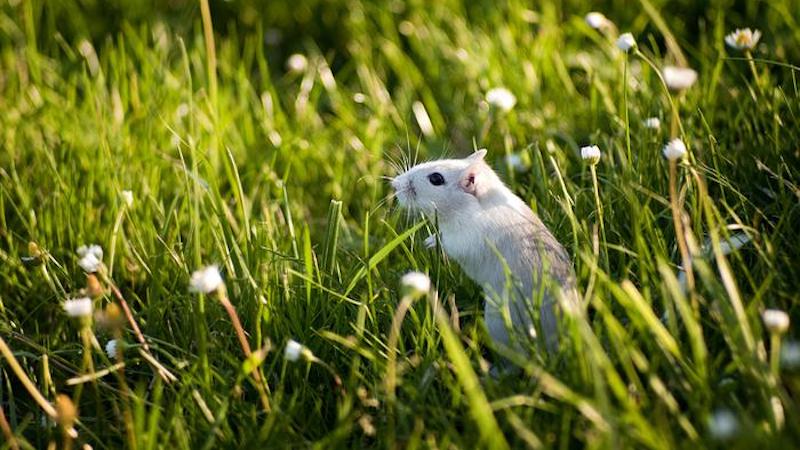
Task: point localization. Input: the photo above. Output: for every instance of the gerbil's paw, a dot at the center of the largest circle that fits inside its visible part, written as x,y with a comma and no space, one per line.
430,241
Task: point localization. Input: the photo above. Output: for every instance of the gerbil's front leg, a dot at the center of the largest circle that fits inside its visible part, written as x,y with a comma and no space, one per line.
430,241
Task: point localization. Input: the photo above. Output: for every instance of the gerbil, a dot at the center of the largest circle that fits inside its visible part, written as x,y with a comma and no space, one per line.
485,227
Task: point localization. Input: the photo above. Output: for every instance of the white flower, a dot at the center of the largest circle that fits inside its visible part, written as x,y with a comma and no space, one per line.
790,355
675,149
91,257
743,39
127,197
723,424
297,63
94,249
679,78
501,98
78,307
776,321
596,20
293,350
206,280
514,160
653,123
591,154
90,263
416,283
111,349
626,42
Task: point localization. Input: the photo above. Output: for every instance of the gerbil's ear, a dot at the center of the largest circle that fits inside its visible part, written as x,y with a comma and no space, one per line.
472,178
477,156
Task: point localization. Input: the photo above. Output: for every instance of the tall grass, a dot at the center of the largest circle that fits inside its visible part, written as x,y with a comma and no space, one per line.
276,175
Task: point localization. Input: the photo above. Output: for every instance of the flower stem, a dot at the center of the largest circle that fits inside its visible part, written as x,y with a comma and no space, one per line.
390,382
775,355
625,101
679,233
126,309
752,65
599,206
260,383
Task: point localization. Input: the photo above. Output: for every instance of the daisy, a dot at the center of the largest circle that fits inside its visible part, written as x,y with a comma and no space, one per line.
111,349
416,283
679,78
596,20
675,150
94,249
206,280
293,350
591,154
297,63
626,42
743,39
501,98
776,321
653,123
90,263
78,307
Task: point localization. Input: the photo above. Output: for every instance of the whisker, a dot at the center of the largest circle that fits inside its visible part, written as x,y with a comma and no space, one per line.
383,201
393,163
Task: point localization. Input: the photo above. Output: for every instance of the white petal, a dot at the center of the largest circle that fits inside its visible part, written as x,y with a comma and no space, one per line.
297,63
416,282
675,150
89,263
626,42
292,351
776,321
206,280
501,98
679,78
78,307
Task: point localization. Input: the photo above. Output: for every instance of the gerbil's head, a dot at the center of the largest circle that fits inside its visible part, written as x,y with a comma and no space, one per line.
445,186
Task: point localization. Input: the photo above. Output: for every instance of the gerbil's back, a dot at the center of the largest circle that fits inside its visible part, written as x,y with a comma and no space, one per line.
528,247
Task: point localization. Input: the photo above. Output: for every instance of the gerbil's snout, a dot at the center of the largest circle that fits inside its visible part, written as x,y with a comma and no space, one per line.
404,190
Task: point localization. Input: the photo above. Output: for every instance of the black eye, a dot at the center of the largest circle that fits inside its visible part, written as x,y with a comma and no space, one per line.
436,179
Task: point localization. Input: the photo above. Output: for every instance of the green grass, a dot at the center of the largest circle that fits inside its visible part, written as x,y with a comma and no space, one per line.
277,177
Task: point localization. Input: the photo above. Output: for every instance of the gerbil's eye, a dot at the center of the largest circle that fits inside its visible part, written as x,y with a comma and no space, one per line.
436,179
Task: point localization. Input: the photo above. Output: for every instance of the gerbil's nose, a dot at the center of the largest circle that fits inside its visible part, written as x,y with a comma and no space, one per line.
396,183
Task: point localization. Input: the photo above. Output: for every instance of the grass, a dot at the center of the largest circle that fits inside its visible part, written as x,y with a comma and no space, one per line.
276,176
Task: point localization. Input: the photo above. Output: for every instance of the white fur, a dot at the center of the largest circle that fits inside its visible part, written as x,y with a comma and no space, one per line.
486,227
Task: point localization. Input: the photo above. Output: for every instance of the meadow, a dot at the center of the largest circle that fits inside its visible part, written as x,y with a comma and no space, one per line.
257,137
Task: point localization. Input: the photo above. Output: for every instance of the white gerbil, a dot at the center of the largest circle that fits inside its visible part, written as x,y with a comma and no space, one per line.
486,228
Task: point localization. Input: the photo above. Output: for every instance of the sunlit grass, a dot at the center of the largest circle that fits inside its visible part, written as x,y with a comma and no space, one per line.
275,173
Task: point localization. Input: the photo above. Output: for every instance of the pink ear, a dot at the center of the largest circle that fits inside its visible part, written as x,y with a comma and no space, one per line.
470,178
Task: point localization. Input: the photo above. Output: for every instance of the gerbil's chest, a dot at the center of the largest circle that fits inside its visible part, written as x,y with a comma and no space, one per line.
471,244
